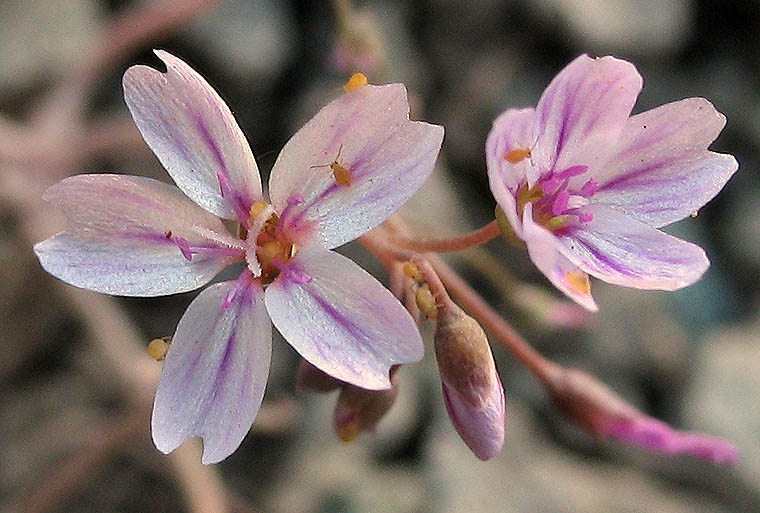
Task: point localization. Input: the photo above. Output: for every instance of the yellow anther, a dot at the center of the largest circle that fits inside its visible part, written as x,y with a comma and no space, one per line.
158,347
556,222
578,282
257,208
268,252
411,270
426,301
356,81
517,155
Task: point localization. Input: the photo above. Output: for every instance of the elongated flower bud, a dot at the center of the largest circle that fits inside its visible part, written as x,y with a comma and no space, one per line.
472,390
603,414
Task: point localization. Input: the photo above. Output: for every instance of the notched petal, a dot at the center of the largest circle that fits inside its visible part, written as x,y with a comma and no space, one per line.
194,135
342,320
215,372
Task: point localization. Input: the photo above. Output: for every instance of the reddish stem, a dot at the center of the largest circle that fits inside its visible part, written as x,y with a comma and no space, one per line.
468,240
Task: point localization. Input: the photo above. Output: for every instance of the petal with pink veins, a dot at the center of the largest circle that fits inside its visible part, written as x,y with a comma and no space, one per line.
582,113
215,372
543,249
623,251
127,235
662,170
194,135
384,158
342,320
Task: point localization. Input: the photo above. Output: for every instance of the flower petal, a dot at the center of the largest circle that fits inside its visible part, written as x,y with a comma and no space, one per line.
513,130
543,249
583,111
126,236
383,157
655,435
662,170
620,250
194,135
215,372
342,321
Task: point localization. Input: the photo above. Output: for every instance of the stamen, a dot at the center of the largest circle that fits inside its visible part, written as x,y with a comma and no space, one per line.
571,172
556,222
590,188
586,217
517,155
293,274
295,199
560,202
356,81
239,285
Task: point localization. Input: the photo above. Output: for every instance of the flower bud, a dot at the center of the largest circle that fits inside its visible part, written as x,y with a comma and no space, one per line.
603,414
359,410
472,390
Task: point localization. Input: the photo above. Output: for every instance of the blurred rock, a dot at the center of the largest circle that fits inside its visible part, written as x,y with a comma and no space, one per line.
722,398
44,37
630,27
250,39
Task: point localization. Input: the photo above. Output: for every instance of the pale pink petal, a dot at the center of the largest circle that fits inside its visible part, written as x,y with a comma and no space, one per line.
194,135
481,423
620,250
583,111
341,319
543,249
662,170
386,155
130,235
215,372
513,130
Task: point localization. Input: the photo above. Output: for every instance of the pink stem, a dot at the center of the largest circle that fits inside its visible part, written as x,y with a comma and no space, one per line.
474,238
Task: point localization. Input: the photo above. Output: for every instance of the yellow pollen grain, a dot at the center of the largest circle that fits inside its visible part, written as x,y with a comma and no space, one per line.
158,347
411,270
356,81
578,282
517,155
341,174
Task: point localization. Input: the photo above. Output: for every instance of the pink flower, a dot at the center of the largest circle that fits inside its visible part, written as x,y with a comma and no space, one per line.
135,236
604,414
586,186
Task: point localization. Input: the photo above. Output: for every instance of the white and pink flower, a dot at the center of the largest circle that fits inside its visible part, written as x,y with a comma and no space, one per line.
135,236
587,186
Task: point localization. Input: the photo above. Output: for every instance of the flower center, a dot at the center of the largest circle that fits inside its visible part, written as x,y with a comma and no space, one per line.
272,248
555,206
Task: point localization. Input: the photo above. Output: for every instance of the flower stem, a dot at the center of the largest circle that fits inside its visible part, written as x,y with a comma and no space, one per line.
382,245
468,240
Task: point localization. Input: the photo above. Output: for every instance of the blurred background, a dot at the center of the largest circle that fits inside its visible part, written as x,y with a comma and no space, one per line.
75,381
